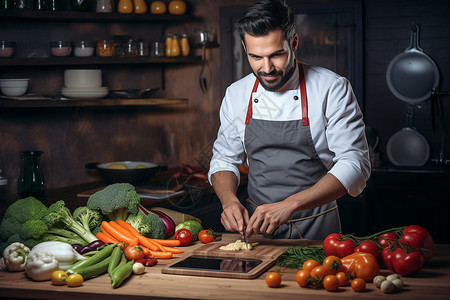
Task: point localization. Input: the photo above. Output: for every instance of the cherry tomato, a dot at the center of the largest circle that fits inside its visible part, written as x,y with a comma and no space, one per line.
331,283
310,264
134,252
419,238
369,247
387,238
303,278
337,245
74,280
273,279
59,277
318,273
407,263
184,236
332,264
205,236
343,279
358,285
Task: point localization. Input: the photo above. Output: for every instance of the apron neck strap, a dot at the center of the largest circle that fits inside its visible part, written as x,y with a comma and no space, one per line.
303,99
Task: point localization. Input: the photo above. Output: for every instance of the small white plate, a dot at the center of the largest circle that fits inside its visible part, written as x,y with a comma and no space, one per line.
84,94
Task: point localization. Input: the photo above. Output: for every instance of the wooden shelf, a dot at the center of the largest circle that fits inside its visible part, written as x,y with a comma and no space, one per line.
77,16
106,102
95,60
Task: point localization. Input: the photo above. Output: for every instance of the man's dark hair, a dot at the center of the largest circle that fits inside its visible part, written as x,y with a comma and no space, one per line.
267,15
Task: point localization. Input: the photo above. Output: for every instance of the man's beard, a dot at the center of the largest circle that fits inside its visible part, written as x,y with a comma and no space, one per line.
275,86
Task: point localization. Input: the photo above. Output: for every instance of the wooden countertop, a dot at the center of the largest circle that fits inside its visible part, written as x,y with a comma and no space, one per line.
430,283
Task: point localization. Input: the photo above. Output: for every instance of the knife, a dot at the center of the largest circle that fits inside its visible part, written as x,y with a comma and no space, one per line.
244,232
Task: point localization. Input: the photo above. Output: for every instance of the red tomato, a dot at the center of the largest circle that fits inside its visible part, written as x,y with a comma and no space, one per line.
184,236
387,238
336,244
205,236
419,238
369,247
387,256
407,263
134,252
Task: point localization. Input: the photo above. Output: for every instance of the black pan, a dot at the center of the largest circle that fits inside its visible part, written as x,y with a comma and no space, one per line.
412,75
133,172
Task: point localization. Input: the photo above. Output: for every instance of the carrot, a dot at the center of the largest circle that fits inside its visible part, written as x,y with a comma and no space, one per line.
149,243
146,251
119,228
173,250
159,254
128,227
170,243
130,240
105,238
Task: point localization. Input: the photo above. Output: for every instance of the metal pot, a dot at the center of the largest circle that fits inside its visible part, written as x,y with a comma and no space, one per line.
133,172
412,75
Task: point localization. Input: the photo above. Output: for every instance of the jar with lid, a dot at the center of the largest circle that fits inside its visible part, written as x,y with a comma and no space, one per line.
105,6
157,49
168,47
61,48
125,6
185,49
175,46
130,49
105,47
83,48
3,188
31,179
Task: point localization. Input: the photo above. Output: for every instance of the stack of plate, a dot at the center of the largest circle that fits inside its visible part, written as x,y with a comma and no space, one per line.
83,84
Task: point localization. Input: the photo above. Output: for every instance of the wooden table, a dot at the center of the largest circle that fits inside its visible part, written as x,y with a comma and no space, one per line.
430,283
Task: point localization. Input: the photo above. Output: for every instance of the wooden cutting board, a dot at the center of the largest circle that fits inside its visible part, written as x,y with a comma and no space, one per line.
267,250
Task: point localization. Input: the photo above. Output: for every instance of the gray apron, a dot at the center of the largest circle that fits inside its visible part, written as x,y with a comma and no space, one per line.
283,161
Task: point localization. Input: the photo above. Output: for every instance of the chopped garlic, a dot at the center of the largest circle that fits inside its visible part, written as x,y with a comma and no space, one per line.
238,245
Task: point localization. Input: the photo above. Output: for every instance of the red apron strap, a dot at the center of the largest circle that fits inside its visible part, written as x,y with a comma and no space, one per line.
304,100
249,109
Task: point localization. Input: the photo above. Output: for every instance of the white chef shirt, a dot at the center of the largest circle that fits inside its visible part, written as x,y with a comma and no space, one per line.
335,119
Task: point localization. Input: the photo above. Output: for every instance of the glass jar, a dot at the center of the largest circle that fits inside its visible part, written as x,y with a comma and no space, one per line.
6,4
83,49
169,40
130,49
185,49
41,4
104,6
175,47
7,49
105,47
31,179
125,6
61,48
157,49
142,48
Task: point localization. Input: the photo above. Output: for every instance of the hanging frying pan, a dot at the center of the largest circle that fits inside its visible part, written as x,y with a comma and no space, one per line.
412,75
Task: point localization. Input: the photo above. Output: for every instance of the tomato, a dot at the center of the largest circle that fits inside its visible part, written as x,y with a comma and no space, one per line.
74,280
387,238
205,236
59,277
358,285
331,283
361,265
332,264
337,245
419,238
369,247
184,236
342,278
303,278
310,264
387,256
134,252
273,279
318,274
407,263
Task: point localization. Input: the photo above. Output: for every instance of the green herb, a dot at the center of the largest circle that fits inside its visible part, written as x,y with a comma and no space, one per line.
294,257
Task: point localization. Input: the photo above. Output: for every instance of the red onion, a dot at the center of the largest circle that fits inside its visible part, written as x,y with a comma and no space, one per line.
168,222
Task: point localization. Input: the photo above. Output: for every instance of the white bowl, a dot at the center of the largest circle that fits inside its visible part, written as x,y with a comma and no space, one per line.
83,78
14,87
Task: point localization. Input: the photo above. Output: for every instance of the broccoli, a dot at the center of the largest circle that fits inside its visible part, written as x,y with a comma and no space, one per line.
63,235
89,218
20,217
150,226
193,226
59,214
115,201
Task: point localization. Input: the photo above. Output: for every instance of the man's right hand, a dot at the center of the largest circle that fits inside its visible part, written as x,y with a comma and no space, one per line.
234,217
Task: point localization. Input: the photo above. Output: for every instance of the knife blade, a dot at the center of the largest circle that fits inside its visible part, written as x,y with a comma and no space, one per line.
244,232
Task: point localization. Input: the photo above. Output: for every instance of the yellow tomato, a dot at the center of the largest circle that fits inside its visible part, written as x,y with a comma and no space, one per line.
59,277
74,280
158,7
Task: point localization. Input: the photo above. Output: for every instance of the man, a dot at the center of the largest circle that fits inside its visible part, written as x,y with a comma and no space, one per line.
301,129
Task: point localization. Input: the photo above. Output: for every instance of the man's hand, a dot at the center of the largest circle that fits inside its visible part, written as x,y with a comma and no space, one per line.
234,217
